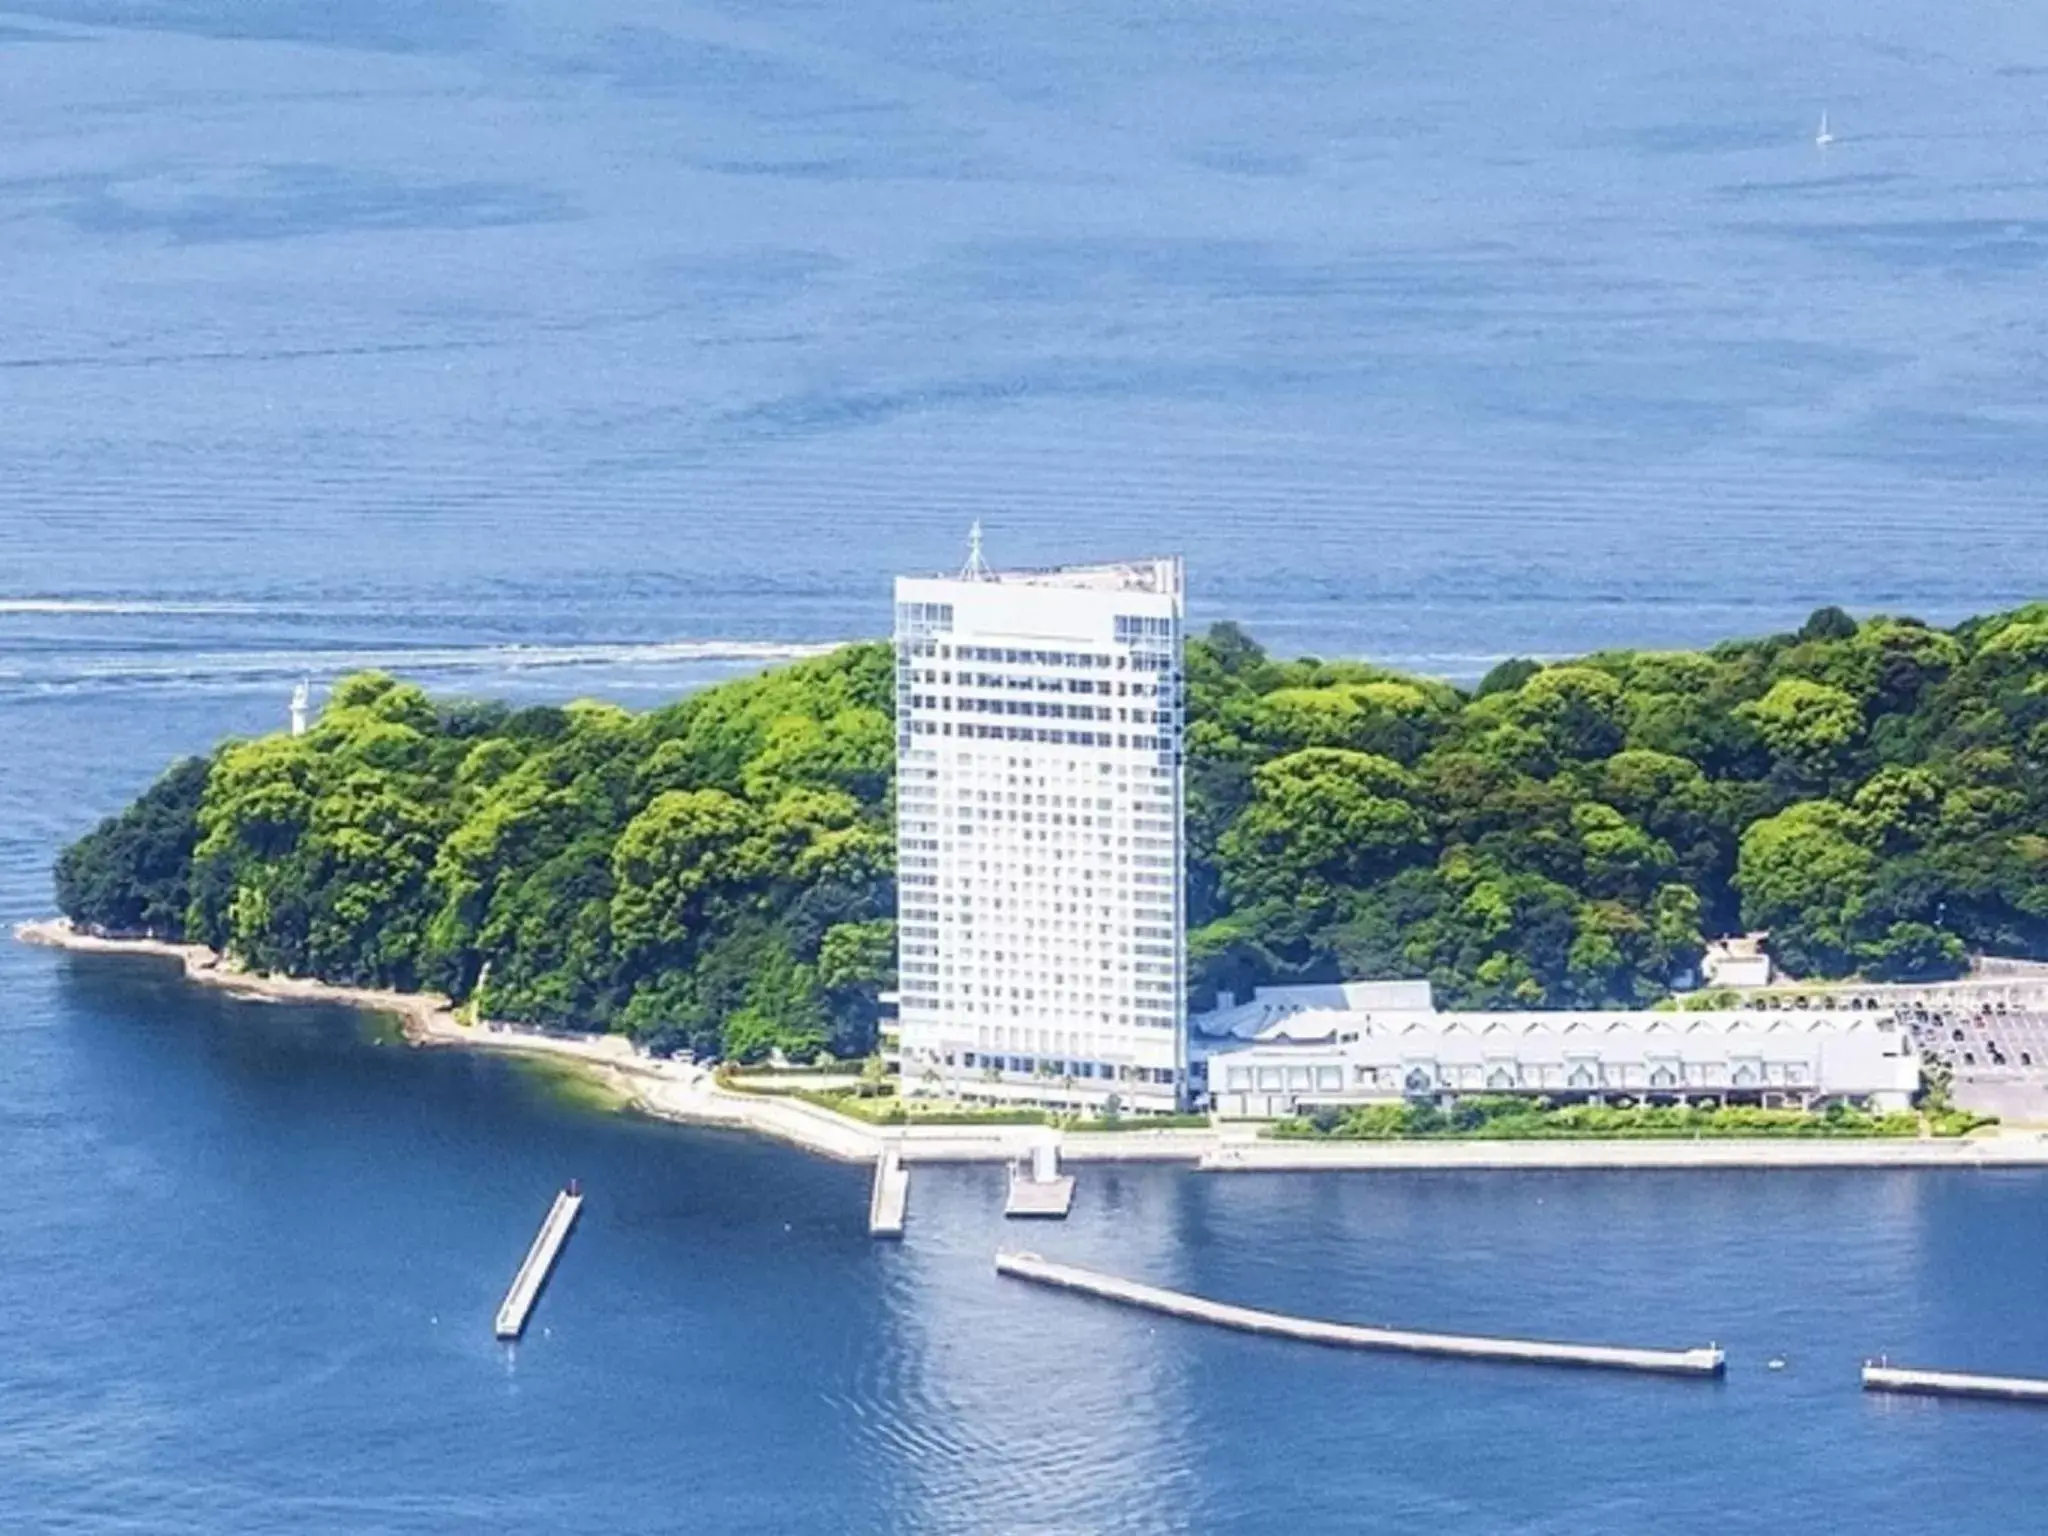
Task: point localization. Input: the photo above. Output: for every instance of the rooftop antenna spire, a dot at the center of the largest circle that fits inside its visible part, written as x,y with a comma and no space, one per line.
976,568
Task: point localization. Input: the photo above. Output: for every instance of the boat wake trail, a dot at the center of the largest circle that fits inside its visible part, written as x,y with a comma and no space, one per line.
101,607
229,670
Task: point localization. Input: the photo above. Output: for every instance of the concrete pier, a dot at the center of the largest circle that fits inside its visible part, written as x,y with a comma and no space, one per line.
890,1196
540,1261
2013,1389
1706,1362
1038,1188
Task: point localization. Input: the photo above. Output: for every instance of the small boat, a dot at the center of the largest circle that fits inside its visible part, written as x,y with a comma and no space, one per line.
1822,139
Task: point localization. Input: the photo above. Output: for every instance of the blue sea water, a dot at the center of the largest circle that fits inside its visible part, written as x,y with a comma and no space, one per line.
543,349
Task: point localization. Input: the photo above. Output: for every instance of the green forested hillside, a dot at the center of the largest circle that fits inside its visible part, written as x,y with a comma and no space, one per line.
718,872
1875,795
714,873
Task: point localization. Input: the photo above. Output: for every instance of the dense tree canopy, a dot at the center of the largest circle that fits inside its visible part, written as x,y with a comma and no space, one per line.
718,872
1875,794
133,875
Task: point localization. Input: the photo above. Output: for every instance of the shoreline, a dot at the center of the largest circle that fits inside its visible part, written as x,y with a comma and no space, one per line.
655,1086
688,1095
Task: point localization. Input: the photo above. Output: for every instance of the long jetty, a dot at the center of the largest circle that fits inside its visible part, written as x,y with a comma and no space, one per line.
889,1196
1710,1361
540,1261
2013,1389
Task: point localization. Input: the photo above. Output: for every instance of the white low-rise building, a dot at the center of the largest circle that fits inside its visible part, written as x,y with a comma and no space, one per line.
1740,961
1287,1049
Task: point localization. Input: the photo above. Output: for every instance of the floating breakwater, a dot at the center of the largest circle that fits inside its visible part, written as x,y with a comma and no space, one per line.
2013,1389
1707,1362
539,1263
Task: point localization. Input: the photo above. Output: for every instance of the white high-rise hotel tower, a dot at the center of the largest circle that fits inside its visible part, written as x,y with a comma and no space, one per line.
1040,921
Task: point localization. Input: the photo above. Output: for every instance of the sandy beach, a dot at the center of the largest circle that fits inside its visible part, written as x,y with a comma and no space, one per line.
688,1094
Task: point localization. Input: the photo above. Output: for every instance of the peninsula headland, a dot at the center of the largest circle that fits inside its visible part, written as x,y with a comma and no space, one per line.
717,874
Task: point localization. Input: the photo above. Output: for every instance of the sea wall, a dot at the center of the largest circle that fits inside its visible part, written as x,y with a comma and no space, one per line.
689,1094
1995,1149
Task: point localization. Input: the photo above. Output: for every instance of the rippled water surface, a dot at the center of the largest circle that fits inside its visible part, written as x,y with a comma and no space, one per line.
253,1252
542,348
1430,330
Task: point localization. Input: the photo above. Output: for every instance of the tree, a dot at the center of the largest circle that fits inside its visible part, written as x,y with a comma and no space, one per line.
856,961
1579,710
1802,873
132,874
669,861
1899,660
1621,860
248,880
1507,676
1388,719
1320,820
1233,651
1808,726
782,1011
1828,624
1898,808
369,846
1913,952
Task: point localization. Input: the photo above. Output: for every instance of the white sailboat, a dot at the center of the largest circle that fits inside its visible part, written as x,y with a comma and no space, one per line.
1823,138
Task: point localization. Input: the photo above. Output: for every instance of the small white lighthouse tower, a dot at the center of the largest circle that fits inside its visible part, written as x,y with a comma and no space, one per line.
302,701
